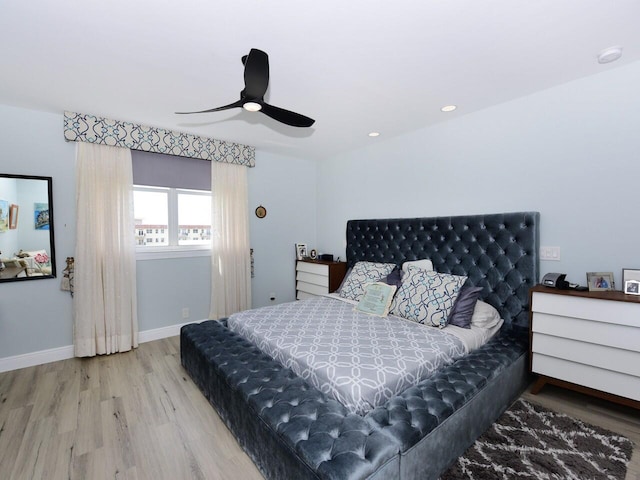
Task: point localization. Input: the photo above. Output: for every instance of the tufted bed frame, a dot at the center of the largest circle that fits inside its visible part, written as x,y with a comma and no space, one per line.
293,431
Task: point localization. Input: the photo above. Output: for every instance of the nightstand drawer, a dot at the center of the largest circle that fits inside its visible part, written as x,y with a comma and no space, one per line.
322,280
313,268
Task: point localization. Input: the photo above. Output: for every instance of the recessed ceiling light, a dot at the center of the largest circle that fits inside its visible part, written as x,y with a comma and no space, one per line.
374,134
448,108
610,55
252,107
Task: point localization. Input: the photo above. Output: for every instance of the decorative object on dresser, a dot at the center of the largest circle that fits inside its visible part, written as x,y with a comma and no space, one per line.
316,277
587,341
632,287
600,281
313,254
631,274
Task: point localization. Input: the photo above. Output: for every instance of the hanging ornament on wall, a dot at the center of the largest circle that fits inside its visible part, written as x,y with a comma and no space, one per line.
261,212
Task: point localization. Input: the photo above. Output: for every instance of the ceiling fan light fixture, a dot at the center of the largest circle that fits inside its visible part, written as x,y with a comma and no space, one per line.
252,107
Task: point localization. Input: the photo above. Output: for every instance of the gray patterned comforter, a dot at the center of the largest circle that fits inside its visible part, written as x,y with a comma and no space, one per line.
359,359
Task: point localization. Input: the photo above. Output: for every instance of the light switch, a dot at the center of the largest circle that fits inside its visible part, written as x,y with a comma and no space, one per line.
550,253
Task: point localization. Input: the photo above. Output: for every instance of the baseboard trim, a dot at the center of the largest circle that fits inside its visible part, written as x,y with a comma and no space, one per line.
62,353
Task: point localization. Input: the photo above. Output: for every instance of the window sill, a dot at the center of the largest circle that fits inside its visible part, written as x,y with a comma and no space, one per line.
168,252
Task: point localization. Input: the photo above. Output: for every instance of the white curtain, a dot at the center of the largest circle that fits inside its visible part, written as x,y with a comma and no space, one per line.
105,311
230,256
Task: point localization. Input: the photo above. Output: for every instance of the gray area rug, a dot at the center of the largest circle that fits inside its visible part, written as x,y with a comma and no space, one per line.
531,442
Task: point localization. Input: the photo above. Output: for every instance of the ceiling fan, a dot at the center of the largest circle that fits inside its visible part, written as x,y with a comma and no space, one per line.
256,81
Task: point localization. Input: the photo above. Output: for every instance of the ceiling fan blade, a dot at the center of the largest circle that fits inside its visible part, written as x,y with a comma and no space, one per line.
239,103
256,74
286,116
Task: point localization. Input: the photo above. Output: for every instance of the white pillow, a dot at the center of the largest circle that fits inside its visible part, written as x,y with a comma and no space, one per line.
484,315
427,296
424,264
361,274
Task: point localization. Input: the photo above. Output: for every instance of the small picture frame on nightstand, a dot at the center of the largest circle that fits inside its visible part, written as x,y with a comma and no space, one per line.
301,251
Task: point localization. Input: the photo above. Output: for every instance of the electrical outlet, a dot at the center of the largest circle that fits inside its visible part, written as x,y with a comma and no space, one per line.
272,296
185,312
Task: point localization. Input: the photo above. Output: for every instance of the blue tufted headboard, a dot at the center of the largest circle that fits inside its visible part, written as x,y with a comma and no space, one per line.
496,251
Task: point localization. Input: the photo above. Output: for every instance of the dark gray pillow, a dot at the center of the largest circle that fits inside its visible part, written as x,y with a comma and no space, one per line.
394,278
462,310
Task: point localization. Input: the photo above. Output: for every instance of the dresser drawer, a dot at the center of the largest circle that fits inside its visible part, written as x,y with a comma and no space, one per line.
311,288
610,334
627,386
620,313
601,356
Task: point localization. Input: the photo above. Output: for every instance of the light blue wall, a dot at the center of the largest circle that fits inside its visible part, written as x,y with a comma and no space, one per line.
286,187
570,152
37,315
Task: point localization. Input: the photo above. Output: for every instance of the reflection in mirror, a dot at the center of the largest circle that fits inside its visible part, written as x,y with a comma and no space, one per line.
26,228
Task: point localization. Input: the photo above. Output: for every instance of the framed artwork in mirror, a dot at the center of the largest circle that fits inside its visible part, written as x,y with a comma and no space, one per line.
13,217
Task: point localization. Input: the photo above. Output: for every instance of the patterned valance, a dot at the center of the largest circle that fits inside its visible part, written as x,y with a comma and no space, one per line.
79,127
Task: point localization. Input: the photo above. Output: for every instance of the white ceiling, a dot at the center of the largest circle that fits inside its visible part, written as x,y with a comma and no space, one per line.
354,66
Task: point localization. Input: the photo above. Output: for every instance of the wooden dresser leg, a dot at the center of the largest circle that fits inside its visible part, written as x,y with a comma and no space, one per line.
538,385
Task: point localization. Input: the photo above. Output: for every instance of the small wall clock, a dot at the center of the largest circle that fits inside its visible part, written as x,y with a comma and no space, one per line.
261,212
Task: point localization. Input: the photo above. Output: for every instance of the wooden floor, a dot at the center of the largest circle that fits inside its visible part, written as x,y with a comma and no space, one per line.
137,415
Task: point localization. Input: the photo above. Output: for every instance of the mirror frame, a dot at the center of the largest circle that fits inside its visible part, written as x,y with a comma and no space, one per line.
52,252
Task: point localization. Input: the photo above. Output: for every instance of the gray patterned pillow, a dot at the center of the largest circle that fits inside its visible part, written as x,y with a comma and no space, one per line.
361,274
426,296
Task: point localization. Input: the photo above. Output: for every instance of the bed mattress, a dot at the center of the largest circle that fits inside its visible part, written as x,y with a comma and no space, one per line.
358,359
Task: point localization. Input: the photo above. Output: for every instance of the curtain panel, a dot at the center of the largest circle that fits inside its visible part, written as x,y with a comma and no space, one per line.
230,251
105,309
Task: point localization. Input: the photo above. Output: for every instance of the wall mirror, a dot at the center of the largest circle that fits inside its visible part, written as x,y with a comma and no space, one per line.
27,250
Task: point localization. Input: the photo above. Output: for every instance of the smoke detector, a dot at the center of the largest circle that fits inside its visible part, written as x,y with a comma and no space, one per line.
610,55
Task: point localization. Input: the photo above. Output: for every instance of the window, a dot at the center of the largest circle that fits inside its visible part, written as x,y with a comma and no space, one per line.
171,219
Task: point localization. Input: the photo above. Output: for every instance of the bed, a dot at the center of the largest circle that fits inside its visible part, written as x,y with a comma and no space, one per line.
293,427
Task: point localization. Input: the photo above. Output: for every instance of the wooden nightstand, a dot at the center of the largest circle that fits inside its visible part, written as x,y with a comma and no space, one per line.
316,277
586,341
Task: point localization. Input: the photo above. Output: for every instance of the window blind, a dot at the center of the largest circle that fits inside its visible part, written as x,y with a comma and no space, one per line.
160,170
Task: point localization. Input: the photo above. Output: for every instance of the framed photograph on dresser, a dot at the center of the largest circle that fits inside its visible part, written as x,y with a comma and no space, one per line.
600,281
630,274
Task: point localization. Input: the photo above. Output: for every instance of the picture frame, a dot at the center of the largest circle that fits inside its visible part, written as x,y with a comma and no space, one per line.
301,251
600,281
13,217
41,216
630,274
313,254
632,287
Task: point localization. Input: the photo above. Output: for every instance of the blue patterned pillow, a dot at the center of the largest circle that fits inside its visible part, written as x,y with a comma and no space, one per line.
427,297
361,274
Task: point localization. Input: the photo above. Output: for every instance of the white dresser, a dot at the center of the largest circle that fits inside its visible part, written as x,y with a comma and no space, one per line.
316,277
587,341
